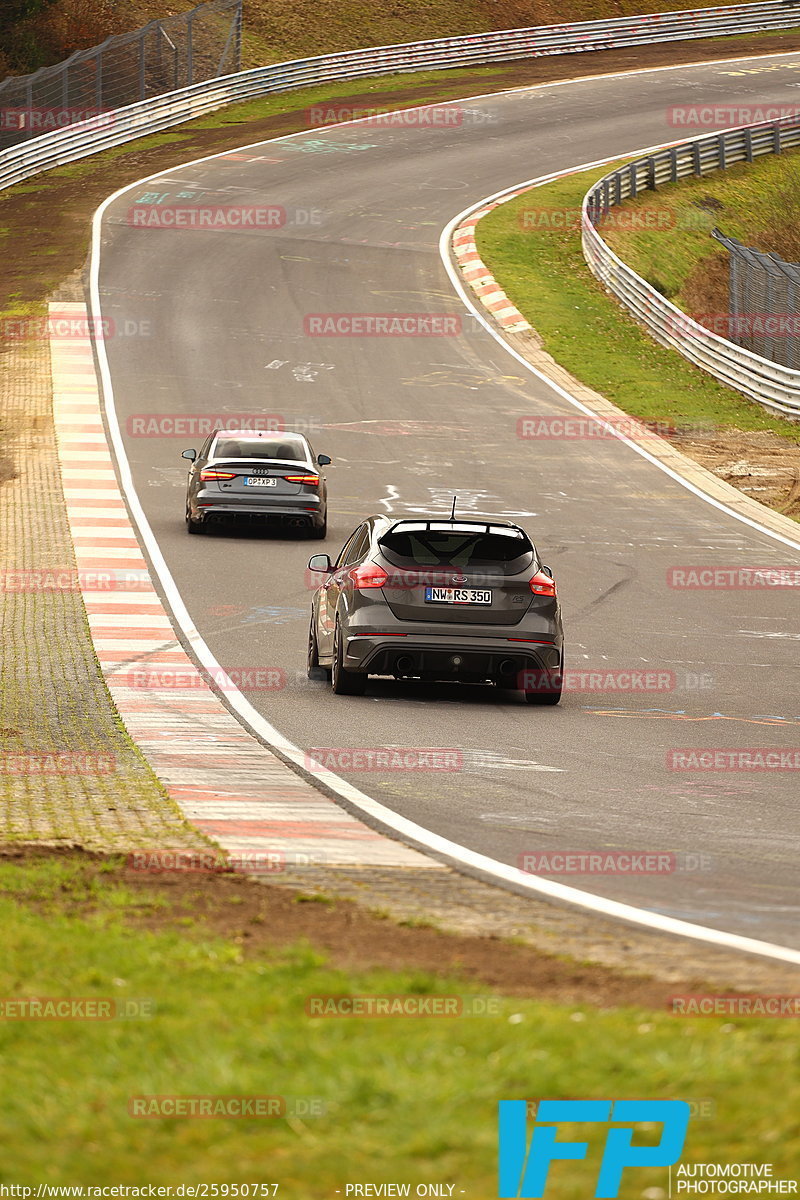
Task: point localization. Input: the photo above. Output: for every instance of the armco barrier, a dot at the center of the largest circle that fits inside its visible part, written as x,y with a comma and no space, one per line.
772,385
150,116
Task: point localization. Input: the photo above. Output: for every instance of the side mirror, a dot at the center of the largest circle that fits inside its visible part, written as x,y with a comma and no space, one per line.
190,454
547,570
323,460
320,562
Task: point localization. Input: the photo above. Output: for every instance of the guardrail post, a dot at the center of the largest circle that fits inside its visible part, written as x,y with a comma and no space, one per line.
721,151
698,166
776,137
141,64
189,52
748,144
29,107
634,182
673,164
651,172
237,49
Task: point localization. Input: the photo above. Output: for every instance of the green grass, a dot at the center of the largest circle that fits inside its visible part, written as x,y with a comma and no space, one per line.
543,271
405,1100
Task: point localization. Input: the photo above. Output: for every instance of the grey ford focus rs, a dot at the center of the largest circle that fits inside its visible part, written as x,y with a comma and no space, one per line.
439,600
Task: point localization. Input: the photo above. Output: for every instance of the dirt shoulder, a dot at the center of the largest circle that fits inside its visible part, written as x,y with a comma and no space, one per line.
262,918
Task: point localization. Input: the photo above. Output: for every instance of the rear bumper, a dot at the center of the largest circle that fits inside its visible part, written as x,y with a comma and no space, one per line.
307,508
472,659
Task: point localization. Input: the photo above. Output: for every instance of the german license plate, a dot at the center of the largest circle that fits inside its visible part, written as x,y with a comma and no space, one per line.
256,481
435,595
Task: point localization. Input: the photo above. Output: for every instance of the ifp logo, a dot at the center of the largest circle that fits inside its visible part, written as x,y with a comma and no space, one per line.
524,1169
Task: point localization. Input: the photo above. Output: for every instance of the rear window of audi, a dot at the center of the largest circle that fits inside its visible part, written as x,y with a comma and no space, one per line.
459,546
259,448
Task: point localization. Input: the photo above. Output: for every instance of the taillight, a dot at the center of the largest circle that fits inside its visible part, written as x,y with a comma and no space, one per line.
542,585
210,473
302,478
368,575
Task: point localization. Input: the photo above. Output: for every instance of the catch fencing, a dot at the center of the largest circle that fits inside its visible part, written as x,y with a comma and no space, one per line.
763,302
164,56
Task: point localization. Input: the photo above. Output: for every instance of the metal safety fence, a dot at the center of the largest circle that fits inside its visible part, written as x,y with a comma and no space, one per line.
161,57
774,385
763,302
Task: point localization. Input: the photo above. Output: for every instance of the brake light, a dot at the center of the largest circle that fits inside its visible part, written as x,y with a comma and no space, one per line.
302,478
542,585
210,473
368,575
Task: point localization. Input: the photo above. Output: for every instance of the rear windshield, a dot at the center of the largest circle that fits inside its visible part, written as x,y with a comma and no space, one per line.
431,548
259,448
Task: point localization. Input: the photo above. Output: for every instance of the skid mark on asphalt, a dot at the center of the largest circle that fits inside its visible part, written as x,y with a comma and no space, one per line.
666,714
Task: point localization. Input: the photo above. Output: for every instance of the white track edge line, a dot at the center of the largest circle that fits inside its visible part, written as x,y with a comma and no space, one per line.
267,732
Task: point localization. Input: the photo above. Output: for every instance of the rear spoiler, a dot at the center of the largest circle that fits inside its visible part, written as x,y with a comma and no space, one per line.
474,526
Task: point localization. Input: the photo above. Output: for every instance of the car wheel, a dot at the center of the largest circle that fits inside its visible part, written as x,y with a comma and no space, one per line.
344,682
193,526
321,532
313,669
550,694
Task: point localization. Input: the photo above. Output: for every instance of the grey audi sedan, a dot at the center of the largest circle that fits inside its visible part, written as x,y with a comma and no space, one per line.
254,475
436,599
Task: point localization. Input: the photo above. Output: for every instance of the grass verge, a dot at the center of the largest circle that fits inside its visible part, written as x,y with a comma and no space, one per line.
383,1100
532,246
